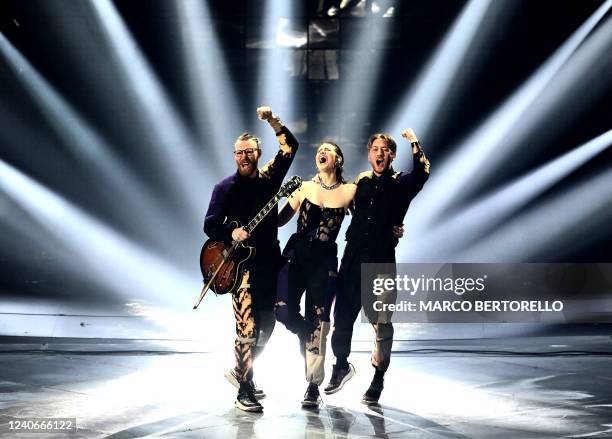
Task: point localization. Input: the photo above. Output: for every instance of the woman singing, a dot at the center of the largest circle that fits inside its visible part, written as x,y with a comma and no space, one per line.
311,261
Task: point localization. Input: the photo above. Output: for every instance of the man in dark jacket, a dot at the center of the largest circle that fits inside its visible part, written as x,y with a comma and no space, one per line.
381,202
240,197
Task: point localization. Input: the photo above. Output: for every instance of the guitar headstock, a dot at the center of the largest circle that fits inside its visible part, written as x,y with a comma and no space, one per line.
291,185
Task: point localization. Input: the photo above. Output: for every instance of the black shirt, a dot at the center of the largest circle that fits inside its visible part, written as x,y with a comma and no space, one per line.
380,203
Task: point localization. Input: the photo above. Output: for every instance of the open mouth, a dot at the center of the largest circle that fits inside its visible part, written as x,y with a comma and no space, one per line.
379,162
322,159
245,164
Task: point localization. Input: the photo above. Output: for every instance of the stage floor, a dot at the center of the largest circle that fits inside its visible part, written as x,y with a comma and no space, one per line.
130,392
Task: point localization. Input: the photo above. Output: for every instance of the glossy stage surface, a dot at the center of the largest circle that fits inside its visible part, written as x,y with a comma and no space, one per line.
452,389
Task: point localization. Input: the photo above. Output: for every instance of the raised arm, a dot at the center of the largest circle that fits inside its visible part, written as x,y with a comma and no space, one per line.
277,168
410,183
413,181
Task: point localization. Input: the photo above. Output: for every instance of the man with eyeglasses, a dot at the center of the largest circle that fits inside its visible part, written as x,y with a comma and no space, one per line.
380,204
240,197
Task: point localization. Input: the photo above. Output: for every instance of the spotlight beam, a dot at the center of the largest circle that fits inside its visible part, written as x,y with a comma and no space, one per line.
462,230
473,157
113,261
162,128
77,135
365,59
424,99
213,99
275,84
566,218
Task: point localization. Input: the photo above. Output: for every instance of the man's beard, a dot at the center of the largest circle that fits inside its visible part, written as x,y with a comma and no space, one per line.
247,170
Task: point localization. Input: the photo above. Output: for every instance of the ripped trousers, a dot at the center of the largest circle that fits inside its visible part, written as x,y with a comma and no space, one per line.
254,324
311,268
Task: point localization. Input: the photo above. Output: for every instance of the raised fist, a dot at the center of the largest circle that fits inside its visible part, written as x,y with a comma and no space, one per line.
264,113
409,135
398,231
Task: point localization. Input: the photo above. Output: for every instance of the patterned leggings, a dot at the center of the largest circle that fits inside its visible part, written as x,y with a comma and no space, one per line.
253,329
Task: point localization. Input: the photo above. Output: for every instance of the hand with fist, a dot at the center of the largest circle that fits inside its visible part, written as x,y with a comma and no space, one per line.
409,135
264,113
398,231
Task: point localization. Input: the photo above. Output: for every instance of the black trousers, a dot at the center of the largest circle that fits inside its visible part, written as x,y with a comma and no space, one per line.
348,305
311,268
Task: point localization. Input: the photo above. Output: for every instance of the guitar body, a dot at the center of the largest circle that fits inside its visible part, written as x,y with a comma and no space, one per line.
222,264
231,258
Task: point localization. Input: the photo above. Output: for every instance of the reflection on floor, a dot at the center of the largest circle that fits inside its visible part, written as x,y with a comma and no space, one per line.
433,394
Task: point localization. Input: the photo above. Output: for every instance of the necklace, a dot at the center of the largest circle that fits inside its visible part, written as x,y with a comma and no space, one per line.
331,187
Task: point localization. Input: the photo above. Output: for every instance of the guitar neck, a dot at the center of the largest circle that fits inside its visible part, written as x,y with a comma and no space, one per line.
263,212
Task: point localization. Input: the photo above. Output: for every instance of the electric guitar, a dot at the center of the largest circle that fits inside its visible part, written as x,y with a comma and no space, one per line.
222,263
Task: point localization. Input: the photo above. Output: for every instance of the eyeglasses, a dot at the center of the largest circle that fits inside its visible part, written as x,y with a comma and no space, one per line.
248,151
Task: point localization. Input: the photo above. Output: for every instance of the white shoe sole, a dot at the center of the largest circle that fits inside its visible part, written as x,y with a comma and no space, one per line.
348,376
368,402
245,408
229,376
309,404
